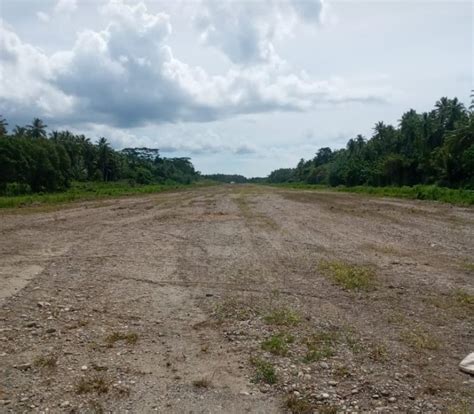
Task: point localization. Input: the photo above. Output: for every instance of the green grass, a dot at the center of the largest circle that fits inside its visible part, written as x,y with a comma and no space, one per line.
349,276
419,340
264,371
419,192
283,317
297,405
130,338
278,344
320,345
83,191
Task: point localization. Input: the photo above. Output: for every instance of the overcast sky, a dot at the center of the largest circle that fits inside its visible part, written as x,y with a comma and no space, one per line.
240,87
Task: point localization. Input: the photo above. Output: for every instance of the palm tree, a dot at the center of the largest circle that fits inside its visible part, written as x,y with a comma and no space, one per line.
19,131
37,129
3,126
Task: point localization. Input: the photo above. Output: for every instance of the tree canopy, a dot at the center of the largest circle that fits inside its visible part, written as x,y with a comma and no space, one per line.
31,160
435,147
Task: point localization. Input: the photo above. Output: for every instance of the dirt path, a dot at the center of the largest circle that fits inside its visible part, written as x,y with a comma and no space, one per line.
190,302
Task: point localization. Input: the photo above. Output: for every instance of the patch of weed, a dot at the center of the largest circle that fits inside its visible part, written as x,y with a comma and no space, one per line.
49,361
233,309
419,340
202,383
299,405
97,384
320,346
349,276
130,338
283,317
278,344
264,371
378,353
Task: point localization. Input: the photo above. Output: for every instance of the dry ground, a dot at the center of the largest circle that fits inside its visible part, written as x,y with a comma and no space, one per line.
237,299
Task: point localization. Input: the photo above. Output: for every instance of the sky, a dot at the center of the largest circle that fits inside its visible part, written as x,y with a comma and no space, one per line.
241,87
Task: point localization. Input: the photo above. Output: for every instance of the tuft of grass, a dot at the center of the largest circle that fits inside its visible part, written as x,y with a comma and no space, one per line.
419,340
278,344
378,353
468,266
283,317
202,383
130,338
327,409
320,346
264,371
49,361
233,309
349,276
463,298
97,384
299,405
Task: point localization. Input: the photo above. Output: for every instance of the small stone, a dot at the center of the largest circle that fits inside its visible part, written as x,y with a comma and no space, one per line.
385,393
244,393
84,368
43,304
65,404
23,367
392,400
324,365
332,383
324,395
375,396
296,393
50,330
467,364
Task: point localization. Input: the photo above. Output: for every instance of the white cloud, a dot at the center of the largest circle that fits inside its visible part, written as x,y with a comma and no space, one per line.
126,75
43,17
245,31
65,6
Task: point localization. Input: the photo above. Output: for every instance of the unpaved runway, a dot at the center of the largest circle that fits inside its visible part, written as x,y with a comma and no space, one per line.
160,303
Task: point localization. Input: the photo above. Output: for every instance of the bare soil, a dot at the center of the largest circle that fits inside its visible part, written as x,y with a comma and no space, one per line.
164,303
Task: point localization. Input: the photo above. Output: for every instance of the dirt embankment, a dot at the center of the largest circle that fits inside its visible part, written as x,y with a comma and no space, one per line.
237,299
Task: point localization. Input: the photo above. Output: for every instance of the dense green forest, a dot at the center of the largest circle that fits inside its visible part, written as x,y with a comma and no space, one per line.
31,161
226,178
435,147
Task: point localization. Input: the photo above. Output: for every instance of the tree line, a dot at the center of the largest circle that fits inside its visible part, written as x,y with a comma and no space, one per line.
32,160
435,147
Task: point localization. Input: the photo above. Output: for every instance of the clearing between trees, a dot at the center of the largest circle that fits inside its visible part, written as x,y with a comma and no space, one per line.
237,298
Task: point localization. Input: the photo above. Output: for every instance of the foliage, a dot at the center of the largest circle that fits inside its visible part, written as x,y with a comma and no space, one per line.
277,344
264,371
85,191
31,161
349,276
419,192
227,178
431,148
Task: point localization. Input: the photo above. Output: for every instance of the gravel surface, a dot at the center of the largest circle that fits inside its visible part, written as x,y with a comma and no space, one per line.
225,299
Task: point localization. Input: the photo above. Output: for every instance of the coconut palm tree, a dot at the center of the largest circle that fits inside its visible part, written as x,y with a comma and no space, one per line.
37,129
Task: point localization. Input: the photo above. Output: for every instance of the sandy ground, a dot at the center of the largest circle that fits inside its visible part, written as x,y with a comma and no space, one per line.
161,304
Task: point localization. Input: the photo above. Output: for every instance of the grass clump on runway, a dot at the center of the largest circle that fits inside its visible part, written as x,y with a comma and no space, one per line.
349,276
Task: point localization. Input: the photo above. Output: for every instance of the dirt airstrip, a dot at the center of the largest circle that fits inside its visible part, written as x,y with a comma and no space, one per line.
227,299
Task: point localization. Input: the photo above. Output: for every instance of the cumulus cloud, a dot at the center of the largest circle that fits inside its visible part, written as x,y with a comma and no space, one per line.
245,31
65,6
25,80
127,75
177,140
